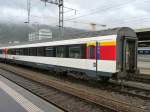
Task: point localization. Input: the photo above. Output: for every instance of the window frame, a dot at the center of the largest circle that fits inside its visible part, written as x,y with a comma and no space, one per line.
51,52
39,53
75,47
64,51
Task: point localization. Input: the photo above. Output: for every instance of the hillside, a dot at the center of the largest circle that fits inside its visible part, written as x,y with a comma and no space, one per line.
19,32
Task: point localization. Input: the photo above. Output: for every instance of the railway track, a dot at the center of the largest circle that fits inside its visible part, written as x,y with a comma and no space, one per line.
131,91
68,98
142,78
66,102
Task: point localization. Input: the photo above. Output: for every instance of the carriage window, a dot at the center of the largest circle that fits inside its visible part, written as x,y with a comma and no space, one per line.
40,51
21,51
32,51
60,51
74,52
49,51
91,52
140,52
1,52
17,52
146,52
13,52
25,51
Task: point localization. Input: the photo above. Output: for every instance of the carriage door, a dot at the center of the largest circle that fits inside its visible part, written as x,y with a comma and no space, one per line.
91,54
130,54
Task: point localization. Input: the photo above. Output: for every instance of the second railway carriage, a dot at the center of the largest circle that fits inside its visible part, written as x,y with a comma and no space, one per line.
102,54
144,51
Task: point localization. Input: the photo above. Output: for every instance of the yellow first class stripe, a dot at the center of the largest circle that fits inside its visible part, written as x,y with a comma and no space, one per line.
91,44
108,43
112,43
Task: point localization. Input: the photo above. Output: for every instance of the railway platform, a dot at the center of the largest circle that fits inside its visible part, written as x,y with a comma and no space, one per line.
13,98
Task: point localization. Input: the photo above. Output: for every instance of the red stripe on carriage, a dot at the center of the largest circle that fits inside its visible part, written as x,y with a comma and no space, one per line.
5,51
108,53
87,53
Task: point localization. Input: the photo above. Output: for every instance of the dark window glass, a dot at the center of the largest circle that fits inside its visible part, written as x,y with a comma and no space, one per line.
83,51
75,52
60,51
13,52
21,51
32,51
49,51
17,51
146,52
40,51
91,52
1,52
140,52
25,51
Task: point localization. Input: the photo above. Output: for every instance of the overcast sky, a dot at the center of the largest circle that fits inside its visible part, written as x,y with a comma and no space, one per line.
112,13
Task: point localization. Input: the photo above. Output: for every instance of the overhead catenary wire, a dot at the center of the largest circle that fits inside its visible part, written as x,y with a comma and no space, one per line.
129,20
95,12
101,10
98,11
80,22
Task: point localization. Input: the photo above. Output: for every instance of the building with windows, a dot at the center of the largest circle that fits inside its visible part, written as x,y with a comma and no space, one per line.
44,34
40,35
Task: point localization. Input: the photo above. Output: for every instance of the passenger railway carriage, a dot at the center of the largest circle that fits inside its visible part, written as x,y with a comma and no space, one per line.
144,51
110,53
